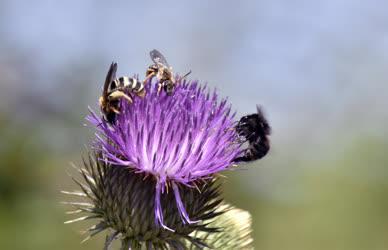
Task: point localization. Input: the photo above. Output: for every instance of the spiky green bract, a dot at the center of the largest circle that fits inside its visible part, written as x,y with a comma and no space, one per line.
235,230
123,201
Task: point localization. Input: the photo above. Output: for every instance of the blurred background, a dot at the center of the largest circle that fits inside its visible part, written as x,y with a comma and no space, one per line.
318,68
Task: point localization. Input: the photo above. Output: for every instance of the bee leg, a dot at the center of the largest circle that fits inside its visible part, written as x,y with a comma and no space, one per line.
160,86
252,153
115,110
149,76
141,93
245,158
118,94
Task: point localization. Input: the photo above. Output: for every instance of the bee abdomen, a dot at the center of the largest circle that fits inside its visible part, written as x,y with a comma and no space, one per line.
138,86
129,83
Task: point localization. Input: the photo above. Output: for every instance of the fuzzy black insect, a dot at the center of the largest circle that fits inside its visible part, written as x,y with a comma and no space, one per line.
255,130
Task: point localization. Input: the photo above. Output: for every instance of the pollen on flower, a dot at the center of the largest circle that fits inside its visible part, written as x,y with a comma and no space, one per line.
178,139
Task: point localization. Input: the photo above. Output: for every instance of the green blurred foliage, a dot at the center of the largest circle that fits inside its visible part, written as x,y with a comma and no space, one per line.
342,202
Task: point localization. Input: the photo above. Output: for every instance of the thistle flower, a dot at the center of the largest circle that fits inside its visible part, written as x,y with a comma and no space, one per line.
152,176
178,140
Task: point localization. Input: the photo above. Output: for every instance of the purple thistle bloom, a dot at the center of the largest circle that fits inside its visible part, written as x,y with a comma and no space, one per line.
178,139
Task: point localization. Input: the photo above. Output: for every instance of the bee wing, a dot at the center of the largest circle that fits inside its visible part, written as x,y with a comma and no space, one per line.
262,119
158,58
110,76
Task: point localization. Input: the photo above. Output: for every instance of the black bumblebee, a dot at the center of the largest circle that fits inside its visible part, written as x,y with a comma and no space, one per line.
163,71
255,130
115,89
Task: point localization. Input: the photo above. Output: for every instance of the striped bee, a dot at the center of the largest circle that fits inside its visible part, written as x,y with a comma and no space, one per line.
163,71
116,88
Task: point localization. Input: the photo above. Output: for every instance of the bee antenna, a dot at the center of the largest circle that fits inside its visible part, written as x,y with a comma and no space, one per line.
188,73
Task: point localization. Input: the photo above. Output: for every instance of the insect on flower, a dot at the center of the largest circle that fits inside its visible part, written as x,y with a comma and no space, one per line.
163,71
254,128
116,88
